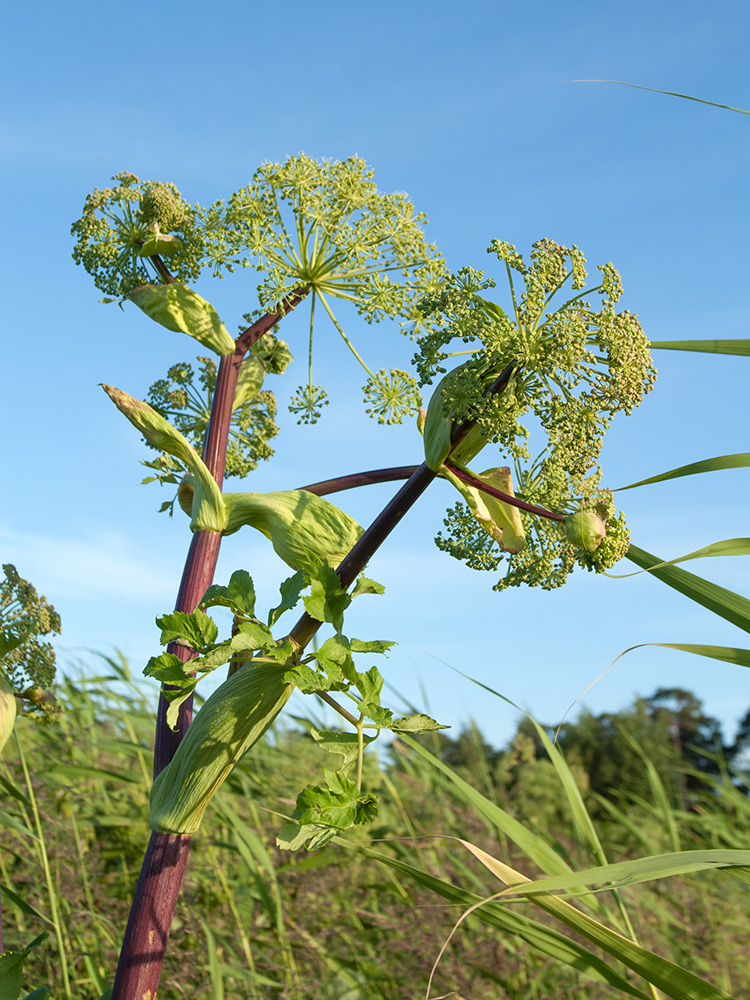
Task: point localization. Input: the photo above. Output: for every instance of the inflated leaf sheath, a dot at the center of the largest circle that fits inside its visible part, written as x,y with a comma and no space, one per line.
297,523
179,308
234,718
207,510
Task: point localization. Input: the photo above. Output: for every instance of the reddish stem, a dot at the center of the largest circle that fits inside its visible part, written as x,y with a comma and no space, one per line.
155,897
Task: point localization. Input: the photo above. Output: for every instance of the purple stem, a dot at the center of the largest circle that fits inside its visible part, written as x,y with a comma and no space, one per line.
145,940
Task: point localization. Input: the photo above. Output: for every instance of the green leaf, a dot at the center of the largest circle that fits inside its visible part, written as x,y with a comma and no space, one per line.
11,823
9,897
416,724
290,591
373,646
180,309
669,93
673,980
239,594
328,600
249,381
741,347
167,668
639,870
729,654
722,602
543,939
297,523
338,805
366,586
335,658
194,630
234,718
707,465
207,506
311,836
727,547
345,744
11,969
309,681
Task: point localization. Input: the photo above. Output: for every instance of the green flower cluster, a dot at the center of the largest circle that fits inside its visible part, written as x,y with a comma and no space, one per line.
319,227
123,227
28,663
323,226
186,403
576,366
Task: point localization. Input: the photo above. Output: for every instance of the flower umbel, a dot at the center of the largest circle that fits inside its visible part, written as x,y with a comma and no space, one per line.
122,227
576,366
27,663
324,226
186,401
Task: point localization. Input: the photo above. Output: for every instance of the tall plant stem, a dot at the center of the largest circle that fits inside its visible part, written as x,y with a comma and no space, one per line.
155,898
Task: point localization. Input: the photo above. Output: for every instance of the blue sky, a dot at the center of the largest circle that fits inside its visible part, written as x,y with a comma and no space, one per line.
470,109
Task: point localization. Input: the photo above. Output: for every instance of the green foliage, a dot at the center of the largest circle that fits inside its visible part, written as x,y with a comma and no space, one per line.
379,928
576,366
26,662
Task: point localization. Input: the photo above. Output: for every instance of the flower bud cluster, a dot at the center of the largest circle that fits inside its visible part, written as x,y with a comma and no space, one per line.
577,365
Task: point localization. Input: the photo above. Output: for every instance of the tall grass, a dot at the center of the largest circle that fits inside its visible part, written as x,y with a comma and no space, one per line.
364,918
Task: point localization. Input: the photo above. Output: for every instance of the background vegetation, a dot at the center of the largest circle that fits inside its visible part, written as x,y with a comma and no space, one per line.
259,922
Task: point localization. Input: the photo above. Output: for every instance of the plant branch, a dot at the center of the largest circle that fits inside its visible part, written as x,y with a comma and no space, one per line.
363,550
355,479
551,515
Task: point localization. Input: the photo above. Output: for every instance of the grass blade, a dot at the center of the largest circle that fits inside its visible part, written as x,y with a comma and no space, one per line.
738,461
669,93
741,347
638,870
543,939
677,983
722,602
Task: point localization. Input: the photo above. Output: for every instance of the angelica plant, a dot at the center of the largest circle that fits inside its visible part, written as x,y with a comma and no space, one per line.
316,233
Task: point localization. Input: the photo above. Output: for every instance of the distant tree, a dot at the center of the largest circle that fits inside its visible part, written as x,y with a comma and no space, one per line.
696,736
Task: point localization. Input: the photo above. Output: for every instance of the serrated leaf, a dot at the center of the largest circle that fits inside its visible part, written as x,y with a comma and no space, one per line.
416,724
336,659
239,594
320,806
345,744
167,668
182,310
372,646
290,591
195,630
328,600
293,837
308,680
367,586
11,970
